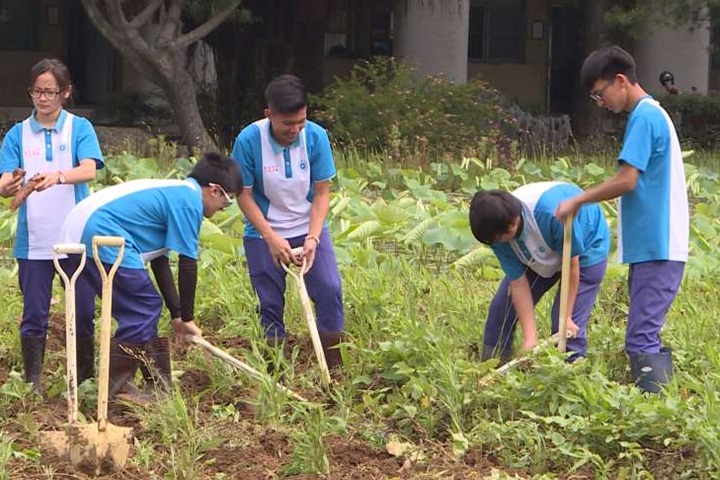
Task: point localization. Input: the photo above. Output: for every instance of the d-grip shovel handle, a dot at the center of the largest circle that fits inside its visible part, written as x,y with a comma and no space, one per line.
107,277
70,336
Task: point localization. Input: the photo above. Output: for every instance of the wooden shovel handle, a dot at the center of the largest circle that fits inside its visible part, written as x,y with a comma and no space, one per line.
565,285
106,319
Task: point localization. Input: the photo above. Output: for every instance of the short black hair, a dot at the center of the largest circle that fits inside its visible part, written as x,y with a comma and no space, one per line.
216,168
492,213
286,94
605,63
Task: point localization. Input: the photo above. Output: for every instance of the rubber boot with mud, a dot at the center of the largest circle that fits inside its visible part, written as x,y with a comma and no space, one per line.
33,354
651,370
331,347
85,356
490,351
125,358
157,373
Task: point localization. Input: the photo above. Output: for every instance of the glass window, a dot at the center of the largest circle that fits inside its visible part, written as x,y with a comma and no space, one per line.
497,30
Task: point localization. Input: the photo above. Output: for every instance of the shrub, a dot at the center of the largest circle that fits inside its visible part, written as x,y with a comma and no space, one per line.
697,118
382,106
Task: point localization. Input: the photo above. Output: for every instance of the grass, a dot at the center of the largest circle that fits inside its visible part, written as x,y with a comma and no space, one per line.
411,378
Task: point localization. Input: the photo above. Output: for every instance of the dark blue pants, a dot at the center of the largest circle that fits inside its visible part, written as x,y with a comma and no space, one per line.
502,319
136,303
36,279
322,281
653,287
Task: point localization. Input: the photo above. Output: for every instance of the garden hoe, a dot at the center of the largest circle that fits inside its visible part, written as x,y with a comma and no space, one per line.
102,447
227,358
309,314
563,334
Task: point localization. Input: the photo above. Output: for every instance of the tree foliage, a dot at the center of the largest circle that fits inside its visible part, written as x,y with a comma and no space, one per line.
638,18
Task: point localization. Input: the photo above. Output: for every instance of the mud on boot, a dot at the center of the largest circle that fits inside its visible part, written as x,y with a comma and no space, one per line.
33,355
125,359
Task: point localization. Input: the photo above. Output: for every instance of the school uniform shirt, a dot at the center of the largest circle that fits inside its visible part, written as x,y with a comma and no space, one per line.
539,245
36,149
154,217
654,221
282,177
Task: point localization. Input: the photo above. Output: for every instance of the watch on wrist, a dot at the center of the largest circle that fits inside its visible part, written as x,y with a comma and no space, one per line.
62,179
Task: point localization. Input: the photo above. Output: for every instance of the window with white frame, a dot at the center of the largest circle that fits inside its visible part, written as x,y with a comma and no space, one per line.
497,31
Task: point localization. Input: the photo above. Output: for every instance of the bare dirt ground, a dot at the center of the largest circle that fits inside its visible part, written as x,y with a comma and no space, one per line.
255,452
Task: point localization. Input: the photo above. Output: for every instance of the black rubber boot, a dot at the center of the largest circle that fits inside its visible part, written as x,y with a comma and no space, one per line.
489,351
158,369
85,358
331,347
125,358
651,370
33,353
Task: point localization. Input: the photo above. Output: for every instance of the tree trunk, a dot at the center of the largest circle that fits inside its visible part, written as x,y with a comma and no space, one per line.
163,60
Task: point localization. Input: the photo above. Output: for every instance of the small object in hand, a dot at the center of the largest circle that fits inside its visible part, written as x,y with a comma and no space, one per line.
18,173
26,190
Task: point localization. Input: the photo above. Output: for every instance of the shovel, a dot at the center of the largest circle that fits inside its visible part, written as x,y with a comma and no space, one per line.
61,441
309,314
102,447
227,358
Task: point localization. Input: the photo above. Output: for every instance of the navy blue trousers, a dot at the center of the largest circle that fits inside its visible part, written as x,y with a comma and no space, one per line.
322,282
502,319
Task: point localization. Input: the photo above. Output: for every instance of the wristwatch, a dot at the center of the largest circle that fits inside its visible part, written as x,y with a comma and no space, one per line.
61,178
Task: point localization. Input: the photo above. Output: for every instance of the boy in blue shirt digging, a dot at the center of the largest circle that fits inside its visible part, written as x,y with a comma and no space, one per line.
653,219
527,239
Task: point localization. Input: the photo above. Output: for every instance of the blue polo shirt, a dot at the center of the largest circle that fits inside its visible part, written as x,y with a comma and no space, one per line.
154,217
282,177
37,149
590,235
654,217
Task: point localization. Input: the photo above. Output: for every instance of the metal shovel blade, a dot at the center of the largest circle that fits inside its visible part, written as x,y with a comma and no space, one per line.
89,450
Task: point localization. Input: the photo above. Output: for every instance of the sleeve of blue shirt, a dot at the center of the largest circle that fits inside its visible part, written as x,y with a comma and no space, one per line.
86,142
557,233
510,264
10,154
637,144
243,153
322,165
183,225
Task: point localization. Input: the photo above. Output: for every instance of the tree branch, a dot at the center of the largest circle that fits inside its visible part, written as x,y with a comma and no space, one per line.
147,13
99,20
171,27
204,29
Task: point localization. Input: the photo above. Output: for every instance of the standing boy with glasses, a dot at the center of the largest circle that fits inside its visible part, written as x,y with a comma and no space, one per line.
287,166
59,153
653,213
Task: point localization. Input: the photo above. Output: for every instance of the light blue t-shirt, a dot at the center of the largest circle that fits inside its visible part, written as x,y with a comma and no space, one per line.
154,217
36,149
590,234
654,219
282,177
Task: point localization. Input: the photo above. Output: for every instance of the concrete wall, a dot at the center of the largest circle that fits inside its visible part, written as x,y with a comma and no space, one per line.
433,35
683,51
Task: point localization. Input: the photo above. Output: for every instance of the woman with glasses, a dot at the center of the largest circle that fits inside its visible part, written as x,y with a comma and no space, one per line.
59,153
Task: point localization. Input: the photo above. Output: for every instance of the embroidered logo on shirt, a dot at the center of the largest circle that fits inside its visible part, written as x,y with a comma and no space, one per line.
303,165
271,169
63,147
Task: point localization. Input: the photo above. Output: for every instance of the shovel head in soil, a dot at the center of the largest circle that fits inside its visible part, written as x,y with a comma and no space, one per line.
90,450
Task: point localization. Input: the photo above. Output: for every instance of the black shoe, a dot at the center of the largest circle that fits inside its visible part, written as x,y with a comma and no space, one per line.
331,347
33,353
